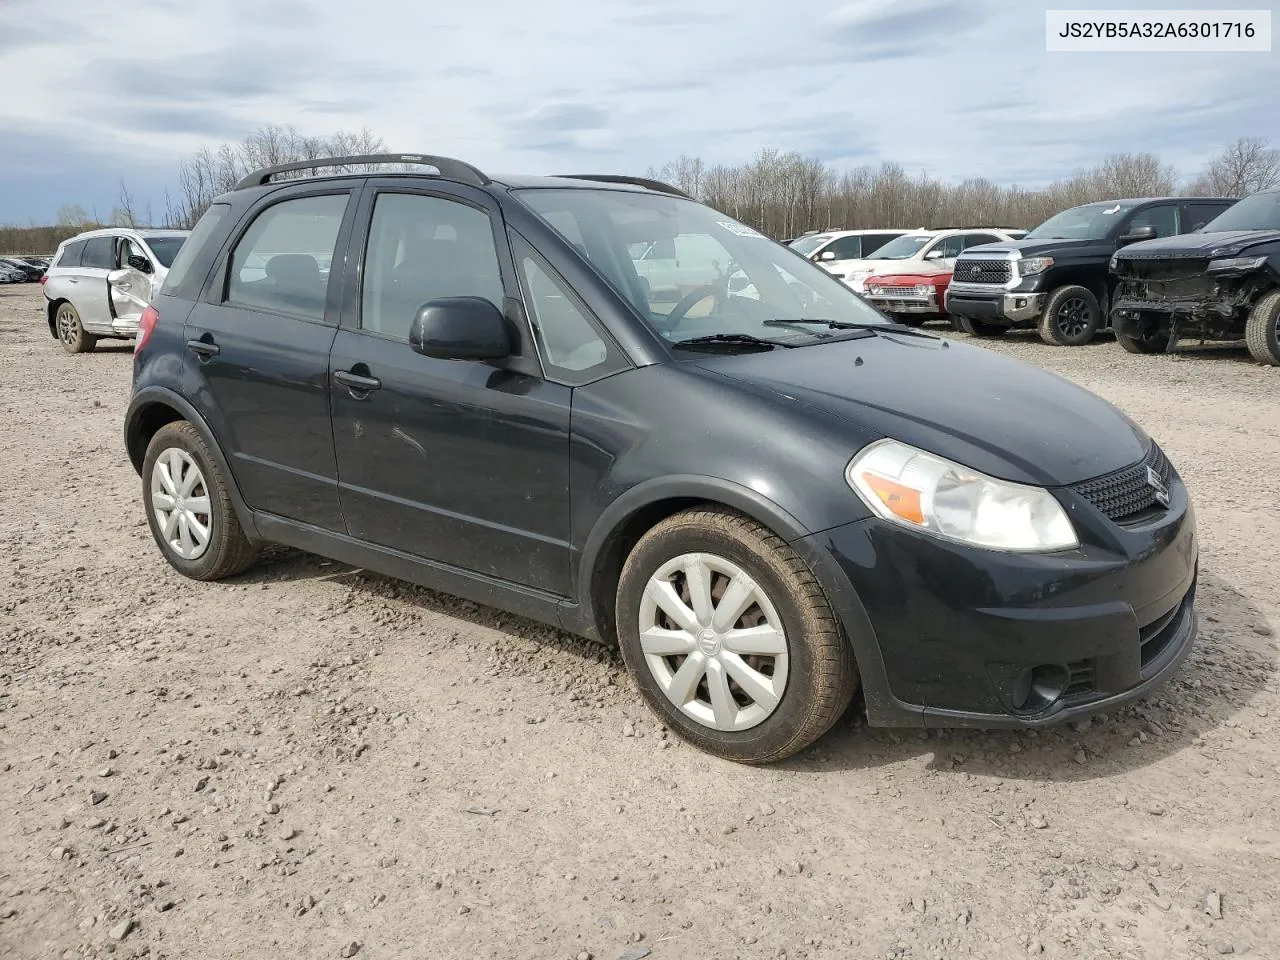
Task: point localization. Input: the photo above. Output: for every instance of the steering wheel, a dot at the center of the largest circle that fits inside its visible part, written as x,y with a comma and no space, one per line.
687,303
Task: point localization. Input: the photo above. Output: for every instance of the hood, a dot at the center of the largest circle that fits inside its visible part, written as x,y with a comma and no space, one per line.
1218,244
1006,418
911,271
1029,248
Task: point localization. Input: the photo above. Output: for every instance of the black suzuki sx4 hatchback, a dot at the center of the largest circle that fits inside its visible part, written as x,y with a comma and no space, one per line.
597,403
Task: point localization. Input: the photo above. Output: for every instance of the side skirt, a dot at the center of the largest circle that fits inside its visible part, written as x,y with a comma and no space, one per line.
548,608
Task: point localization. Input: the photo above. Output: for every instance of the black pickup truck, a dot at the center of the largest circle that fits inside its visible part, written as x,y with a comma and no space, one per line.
1222,283
1056,278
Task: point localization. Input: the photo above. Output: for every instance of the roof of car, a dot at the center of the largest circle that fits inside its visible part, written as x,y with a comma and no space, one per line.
127,231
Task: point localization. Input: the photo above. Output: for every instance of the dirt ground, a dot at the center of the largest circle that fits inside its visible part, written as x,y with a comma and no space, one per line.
311,761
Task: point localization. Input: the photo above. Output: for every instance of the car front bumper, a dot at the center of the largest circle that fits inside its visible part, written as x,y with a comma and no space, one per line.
952,636
888,304
993,303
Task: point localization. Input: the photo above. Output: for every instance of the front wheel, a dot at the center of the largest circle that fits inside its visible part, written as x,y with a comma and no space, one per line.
71,332
1071,317
730,638
189,507
1144,335
1262,332
981,328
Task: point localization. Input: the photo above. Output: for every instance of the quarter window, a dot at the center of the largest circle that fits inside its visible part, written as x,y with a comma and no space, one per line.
71,254
200,237
423,248
282,262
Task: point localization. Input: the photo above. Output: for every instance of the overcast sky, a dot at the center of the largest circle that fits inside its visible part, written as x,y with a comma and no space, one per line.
97,92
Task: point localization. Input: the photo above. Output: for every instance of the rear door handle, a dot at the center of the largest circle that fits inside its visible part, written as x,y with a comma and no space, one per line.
355,382
206,348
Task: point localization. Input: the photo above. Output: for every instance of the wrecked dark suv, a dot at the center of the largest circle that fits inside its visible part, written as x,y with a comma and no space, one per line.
1220,283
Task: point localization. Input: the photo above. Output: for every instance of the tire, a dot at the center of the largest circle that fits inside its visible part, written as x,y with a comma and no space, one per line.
178,447
1071,317
981,328
1262,331
807,688
955,322
70,331
1148,337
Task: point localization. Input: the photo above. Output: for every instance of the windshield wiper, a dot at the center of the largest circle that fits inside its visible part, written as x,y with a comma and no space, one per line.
848,325
744,339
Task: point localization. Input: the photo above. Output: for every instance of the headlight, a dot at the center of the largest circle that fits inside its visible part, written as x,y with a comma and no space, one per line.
924,491
923,291
1034,265
1115,262
1236,263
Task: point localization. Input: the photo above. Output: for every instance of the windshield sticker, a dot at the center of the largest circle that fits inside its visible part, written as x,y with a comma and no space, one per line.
1115,209
739,230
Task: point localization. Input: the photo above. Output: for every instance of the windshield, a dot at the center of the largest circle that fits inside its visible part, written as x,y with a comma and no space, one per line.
1259,212
806,245
1093,221
165,248
904,248
691,271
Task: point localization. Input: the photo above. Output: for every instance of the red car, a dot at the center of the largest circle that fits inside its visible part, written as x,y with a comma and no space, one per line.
912,298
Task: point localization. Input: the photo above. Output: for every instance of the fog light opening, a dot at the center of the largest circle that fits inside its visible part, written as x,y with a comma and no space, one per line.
1020,302
1040,687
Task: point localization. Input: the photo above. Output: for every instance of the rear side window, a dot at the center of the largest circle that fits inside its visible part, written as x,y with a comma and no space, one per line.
1196,215
282,262
99,252
71,254
190,251
977,239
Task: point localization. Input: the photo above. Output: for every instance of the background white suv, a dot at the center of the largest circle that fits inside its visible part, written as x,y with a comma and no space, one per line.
101,281
934,248
834,250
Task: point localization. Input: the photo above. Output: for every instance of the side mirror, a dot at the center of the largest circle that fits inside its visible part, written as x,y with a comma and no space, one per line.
935,254
460,328
827,255
1137,234
139,263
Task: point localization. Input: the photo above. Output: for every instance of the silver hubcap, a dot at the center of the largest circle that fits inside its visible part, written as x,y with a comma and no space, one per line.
713,641
180,500
66,325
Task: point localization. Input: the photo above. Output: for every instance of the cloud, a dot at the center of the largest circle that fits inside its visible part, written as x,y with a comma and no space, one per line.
956,89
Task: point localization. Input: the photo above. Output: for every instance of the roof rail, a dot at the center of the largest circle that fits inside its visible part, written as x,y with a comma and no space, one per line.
657,185
449,168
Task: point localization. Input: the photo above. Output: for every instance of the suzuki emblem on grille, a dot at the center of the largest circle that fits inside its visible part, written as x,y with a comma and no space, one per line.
1159,486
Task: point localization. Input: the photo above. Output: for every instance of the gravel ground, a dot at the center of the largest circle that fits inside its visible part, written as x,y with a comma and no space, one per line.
311,761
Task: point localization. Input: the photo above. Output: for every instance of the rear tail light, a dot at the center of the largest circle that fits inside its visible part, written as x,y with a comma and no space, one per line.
145,325
43,278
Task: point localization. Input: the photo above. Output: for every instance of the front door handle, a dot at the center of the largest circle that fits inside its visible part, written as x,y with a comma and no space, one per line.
126,285
357,383
205,348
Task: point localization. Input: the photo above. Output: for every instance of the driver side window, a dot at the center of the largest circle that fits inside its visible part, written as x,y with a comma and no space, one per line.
950,247
128,248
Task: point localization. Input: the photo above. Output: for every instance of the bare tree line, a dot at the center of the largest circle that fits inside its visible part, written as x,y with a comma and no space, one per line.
780,193
784,194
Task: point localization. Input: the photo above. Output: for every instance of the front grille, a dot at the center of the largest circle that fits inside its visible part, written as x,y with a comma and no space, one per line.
977,270
1127,495
895,292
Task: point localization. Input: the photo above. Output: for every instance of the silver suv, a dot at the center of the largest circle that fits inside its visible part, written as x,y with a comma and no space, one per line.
101,281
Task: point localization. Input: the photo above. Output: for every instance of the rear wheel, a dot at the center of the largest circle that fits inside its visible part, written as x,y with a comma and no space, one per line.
71,332
189,507
981,328
1071,317
730,638
1262,332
